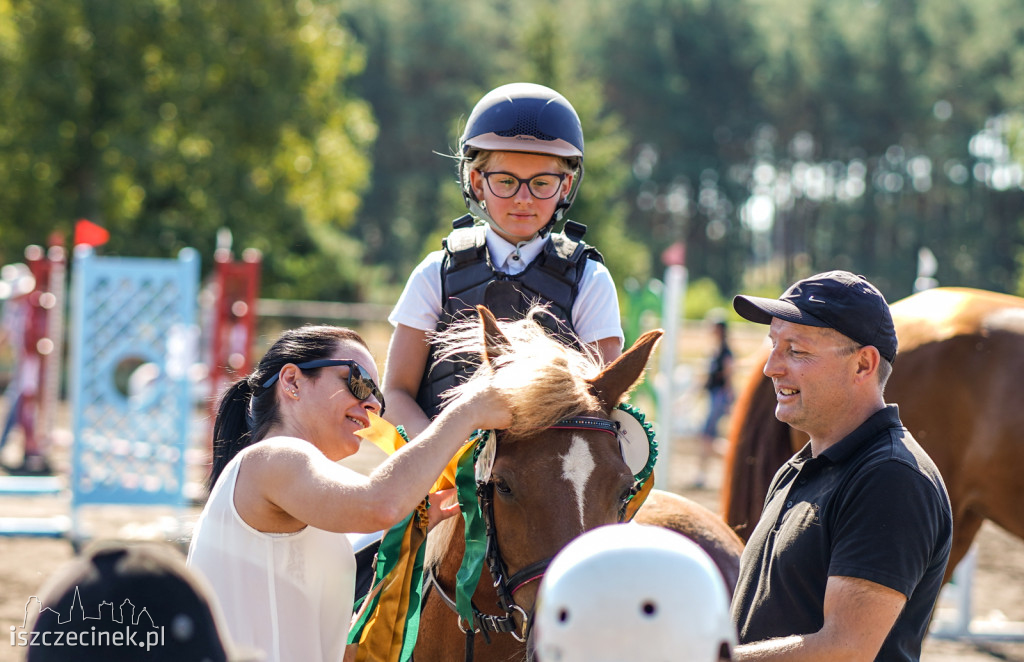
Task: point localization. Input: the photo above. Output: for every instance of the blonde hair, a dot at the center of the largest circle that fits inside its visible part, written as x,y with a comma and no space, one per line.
543,379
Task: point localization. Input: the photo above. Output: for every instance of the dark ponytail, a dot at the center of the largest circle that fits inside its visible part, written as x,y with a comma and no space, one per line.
247,410
231,433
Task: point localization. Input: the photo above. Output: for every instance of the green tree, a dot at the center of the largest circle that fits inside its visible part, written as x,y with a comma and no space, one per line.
166,120
889,97
680,75
423,72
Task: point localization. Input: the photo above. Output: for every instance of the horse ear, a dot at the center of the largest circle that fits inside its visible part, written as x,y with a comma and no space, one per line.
623,373
495,342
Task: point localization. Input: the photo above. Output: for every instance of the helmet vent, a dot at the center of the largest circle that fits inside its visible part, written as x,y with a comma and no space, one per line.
525,125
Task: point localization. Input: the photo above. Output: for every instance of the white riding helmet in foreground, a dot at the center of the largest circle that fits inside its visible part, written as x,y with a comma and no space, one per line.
628,592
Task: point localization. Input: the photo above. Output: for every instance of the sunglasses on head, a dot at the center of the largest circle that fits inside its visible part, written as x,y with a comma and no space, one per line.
360,384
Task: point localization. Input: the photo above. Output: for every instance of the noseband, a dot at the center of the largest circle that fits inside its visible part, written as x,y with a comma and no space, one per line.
504,585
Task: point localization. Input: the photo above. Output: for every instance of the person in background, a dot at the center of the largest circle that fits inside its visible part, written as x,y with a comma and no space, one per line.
271,537
848,557
129,601
625,592
718,385
520,166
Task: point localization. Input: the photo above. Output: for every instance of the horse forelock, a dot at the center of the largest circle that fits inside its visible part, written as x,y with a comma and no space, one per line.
544,380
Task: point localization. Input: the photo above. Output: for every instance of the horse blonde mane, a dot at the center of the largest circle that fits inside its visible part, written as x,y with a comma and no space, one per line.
543,379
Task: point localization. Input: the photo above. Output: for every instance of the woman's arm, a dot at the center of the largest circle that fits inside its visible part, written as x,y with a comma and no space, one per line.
403,371
286,483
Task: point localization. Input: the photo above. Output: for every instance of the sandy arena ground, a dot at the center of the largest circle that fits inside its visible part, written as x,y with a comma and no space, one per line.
25,563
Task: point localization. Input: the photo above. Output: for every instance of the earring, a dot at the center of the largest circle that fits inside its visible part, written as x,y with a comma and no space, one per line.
295,393
483,204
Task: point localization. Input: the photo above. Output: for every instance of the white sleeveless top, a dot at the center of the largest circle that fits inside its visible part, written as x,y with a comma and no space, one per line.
289,595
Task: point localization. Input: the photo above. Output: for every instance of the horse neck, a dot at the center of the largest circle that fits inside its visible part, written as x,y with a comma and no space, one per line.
446,545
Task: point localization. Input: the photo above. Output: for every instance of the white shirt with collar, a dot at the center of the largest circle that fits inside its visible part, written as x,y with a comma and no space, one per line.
595,313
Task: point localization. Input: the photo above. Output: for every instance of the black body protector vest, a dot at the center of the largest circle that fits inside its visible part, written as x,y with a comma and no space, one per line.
468,279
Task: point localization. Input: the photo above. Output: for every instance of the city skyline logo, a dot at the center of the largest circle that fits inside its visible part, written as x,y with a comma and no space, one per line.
135,625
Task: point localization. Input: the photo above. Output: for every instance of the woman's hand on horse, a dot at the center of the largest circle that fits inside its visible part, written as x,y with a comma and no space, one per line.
442,506
486,405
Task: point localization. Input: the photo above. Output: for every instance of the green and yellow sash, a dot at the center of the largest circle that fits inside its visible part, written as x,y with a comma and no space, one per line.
387,622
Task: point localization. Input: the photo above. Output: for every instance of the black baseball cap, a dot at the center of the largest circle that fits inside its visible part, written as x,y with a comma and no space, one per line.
132,601
837,300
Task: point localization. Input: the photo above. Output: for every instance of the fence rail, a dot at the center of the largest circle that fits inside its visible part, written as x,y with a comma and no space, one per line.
327,310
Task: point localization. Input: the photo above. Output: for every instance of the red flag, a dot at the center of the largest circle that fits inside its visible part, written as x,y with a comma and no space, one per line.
87,232
674,255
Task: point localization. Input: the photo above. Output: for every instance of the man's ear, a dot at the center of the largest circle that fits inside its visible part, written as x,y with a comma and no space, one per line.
868,359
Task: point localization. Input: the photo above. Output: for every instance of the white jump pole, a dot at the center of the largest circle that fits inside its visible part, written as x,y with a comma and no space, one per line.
673,294
957,621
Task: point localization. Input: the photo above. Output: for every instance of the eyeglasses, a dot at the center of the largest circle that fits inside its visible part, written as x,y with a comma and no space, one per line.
360,384
505,185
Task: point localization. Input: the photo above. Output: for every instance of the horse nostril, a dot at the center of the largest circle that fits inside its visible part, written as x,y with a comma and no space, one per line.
563,615
649,608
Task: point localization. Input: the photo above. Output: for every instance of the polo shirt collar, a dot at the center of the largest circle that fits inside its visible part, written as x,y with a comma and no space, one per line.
886,417
501,251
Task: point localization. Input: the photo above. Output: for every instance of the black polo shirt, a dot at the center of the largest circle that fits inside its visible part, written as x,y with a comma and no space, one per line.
871,506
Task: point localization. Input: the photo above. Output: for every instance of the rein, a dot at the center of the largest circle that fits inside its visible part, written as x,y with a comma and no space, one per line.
507,587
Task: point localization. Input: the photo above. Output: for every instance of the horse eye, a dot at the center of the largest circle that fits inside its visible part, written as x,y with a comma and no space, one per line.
502,486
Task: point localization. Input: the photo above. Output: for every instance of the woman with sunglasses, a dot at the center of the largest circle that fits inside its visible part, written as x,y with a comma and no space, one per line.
520,165
271,538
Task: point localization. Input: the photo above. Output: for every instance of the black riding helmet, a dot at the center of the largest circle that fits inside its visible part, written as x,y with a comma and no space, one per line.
522,117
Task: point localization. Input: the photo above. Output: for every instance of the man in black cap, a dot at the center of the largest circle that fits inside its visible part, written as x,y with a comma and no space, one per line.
848,557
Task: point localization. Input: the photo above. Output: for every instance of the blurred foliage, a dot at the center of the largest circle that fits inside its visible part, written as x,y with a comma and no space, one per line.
703,297
166,120
775,138
679,74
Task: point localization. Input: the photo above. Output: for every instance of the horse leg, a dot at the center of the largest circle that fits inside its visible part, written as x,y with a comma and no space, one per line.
965,527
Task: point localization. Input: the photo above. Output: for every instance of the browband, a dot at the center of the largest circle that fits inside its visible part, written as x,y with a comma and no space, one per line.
587,423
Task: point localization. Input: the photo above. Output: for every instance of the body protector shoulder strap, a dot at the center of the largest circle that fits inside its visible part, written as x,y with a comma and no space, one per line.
468,278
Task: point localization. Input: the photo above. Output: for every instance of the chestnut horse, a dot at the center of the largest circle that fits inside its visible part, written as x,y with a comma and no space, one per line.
958,380
557,474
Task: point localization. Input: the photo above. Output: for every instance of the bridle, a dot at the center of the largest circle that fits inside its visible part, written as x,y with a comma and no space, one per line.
506,586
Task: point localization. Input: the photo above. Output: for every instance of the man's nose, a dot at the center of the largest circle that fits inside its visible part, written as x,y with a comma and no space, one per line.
772,367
